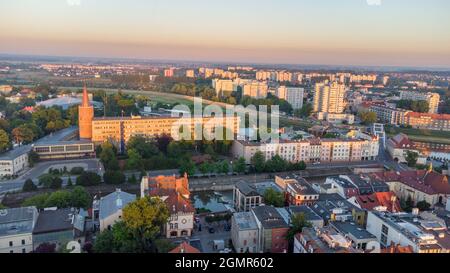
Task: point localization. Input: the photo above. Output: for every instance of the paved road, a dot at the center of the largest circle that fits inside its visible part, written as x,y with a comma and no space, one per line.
90,164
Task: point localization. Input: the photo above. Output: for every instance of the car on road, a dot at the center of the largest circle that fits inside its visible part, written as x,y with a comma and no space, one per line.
197,220
316,163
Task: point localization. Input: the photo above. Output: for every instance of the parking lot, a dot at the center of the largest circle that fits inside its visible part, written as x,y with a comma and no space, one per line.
205,237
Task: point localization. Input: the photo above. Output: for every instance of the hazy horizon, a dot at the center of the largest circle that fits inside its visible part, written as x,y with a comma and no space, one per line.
386,33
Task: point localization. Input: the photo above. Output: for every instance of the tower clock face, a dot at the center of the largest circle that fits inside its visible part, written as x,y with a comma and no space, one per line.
184,221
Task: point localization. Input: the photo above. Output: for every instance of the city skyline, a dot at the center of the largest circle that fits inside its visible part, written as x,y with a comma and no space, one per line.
352,32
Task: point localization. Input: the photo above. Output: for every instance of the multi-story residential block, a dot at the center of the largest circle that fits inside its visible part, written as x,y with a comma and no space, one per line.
293,95
431,98
311,150
169,72
16,229
108,209
14,161
389,115
438,122
297,190
266,76
174,191
255,89
408,230
245,196
329,98
190,73
272,230
361,78
245,232
224,86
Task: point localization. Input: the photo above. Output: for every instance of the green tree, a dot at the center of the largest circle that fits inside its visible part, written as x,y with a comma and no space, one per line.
276,164
60,199
305,111
104,243
108,156
258,162
239,166
132,179
225,167
187,166
145,217
80,198
29,186
144,147
114,177
273,198
33,158
134,161
367,117
411,158
5,144
69,182
298,222
88,179
38,201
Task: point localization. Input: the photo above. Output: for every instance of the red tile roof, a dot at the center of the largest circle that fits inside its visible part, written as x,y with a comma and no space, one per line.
428,115
401,141
379,199
184,247
421,180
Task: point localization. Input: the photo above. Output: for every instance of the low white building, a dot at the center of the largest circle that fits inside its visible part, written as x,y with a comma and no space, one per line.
14,161
16,229
399,146
244,232
109,208
408,230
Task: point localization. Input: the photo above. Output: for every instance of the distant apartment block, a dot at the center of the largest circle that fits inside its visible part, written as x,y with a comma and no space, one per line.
311,150
293,95
255,89
329,98
431,98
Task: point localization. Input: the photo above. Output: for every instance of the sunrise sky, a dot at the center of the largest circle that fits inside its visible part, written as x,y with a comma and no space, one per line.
337,32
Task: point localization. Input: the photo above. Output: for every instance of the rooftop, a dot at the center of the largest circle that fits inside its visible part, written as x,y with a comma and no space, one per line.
245,220
17,220
16,152
353,230
247,189
269,217
54,220
113,202
307,211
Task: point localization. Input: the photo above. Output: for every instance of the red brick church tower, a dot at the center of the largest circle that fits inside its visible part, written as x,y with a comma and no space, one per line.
85,116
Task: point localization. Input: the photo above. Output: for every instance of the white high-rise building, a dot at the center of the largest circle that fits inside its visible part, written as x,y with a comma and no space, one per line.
293,95
329,98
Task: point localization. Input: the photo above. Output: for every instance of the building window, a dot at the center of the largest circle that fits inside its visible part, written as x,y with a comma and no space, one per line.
23,242
23,250
383,240
10,243
384,229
